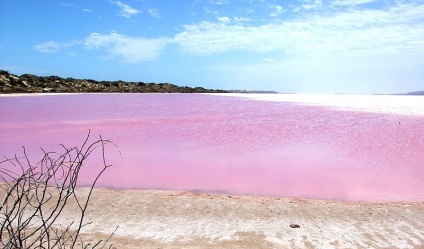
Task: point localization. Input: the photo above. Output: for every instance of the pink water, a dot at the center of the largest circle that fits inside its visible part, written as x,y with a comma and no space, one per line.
228,144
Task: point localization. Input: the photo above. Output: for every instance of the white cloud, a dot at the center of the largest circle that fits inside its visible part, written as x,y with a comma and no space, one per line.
88,10
269,60
208,38
334,38
398,29
48,47
311,4
278,10
54,47
334,48
241,19
126,10
224,19
351,2
130,49
154,13
209,11
220,2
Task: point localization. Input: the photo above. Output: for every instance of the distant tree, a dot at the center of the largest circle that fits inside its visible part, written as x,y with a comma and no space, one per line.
34,197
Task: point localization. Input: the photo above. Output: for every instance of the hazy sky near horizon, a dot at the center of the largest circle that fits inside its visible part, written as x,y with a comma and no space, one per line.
304,46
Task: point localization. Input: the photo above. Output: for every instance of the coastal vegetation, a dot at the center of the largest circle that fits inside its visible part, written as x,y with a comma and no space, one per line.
28,83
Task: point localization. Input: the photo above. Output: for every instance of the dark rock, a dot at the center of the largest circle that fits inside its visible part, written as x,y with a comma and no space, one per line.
294,225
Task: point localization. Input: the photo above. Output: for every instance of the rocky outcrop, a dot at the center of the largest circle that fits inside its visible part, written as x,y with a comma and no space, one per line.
28,83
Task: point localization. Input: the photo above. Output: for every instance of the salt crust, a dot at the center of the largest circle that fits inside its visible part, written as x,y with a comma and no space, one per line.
390,104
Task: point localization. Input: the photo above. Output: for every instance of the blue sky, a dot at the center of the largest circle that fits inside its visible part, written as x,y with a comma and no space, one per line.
305,46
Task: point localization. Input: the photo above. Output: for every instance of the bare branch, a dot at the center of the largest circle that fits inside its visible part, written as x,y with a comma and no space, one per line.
34,197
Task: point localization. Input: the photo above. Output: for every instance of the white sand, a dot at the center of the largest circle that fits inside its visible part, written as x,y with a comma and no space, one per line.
175,219
393,104
172,219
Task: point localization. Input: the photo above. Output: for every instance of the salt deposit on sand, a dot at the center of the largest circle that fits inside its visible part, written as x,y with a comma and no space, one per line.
392,104
171,219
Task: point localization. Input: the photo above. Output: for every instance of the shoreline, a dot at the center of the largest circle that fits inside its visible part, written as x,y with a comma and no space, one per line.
244,196
408,105
175,219
180,219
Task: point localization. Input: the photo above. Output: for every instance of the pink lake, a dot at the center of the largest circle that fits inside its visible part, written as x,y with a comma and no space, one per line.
227,144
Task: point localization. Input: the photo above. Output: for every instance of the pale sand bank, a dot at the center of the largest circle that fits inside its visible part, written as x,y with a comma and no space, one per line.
171,219
391,104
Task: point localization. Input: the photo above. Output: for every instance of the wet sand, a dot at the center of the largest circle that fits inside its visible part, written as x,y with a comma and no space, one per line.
172,219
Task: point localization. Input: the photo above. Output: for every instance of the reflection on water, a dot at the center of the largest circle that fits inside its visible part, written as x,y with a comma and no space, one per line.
228,144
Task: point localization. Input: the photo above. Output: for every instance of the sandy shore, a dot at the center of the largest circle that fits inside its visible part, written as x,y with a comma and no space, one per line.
170,219
388,104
